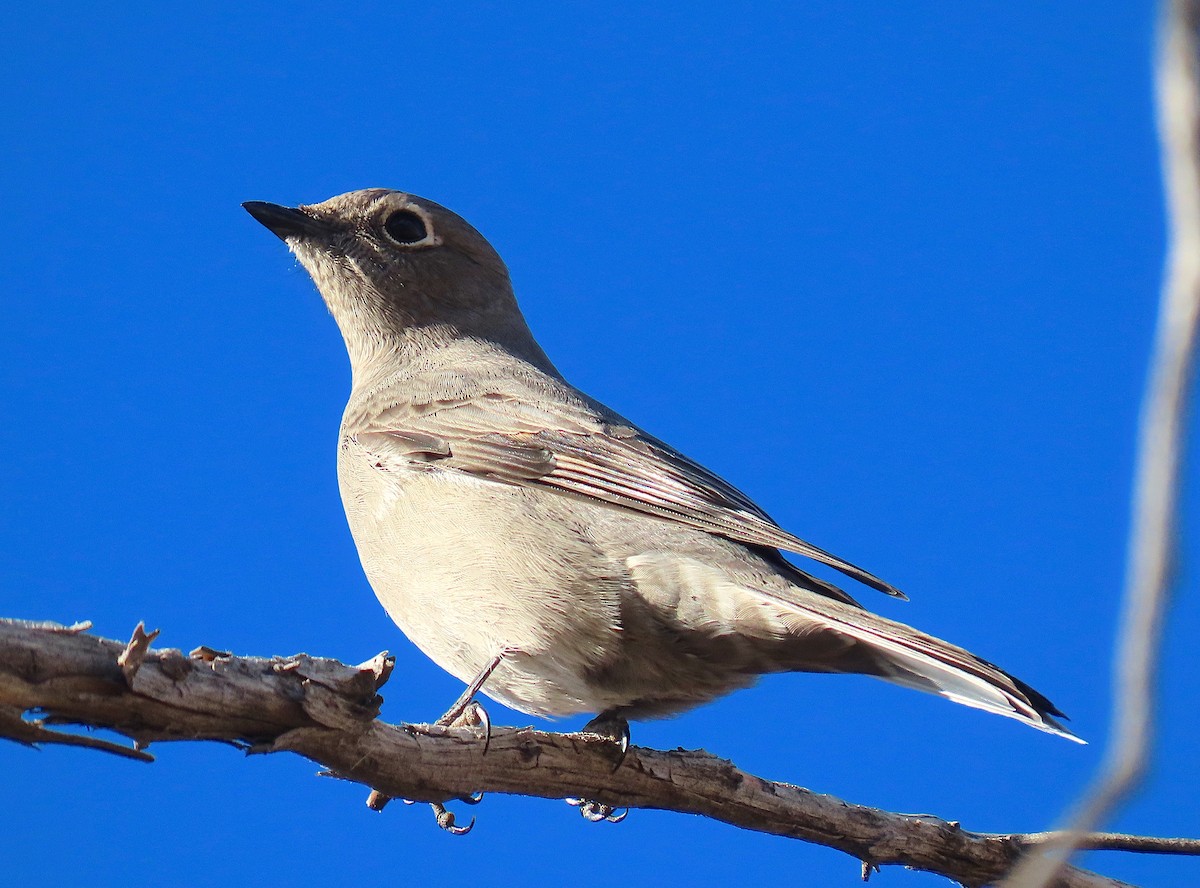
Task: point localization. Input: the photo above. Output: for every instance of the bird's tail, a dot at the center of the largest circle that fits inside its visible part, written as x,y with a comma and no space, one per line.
842,638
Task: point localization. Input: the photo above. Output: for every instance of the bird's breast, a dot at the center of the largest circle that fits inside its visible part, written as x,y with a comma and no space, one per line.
467,567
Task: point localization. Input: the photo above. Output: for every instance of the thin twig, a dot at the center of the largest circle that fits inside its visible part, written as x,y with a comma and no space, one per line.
33,732
1101,841
1165,412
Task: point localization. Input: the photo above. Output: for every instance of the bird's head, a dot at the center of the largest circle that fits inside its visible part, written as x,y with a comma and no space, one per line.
397,270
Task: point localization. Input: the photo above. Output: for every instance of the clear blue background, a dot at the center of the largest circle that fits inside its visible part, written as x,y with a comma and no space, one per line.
890,268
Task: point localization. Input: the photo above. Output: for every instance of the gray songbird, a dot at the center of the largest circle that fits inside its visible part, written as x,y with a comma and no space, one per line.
540,546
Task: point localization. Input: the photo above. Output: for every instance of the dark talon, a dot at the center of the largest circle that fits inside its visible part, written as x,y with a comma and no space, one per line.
595,812
475,716
473,799
472,716
445,820
615,729
485,722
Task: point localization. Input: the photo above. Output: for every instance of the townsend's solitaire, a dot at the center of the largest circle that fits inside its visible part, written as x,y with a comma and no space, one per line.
509,522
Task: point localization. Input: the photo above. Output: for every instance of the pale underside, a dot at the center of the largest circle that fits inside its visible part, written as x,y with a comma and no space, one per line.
622,576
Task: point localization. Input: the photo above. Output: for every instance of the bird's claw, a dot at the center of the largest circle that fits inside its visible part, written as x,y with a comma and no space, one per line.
471,716
445,820
615,730
595,812
475,716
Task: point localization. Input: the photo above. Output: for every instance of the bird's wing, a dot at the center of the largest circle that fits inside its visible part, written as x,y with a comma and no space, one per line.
576,449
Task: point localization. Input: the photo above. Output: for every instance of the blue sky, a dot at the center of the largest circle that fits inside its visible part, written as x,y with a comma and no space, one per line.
891,269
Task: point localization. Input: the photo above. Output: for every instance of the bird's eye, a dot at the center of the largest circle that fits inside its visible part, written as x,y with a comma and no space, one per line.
405,227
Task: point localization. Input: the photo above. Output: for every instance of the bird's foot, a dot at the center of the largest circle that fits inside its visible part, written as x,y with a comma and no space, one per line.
613,730
598,811
472,716
460,705
465,713
445,820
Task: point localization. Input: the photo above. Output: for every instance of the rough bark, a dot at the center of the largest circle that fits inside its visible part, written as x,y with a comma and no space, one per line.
326,711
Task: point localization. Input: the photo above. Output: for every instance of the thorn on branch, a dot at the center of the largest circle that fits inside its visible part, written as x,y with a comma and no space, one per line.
135,652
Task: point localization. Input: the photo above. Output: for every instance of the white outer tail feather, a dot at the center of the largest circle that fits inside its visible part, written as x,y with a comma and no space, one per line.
948,680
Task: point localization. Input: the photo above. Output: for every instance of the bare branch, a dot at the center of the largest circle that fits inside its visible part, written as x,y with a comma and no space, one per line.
326,711
1122,842
1153,536
33,732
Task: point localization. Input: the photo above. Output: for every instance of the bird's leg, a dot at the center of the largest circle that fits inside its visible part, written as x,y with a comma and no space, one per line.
467,713
455,712
614,728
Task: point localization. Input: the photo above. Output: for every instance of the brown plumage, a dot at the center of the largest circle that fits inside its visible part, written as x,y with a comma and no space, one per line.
499,512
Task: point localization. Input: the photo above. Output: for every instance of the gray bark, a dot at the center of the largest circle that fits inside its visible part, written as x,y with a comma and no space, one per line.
326,711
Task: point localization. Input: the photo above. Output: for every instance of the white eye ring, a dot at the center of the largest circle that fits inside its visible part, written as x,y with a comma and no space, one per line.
406,227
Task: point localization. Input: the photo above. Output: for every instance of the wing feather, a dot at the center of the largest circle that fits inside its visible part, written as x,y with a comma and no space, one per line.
577,448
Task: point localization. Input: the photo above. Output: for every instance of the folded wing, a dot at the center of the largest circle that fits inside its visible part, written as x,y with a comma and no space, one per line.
575,449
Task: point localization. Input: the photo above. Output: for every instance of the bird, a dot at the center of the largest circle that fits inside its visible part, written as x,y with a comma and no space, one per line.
539,546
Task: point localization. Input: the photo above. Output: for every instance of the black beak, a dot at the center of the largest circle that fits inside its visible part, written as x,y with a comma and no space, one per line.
284,222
